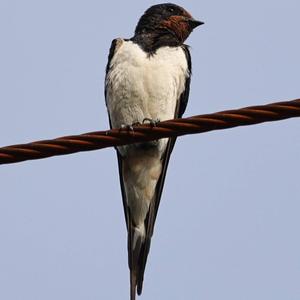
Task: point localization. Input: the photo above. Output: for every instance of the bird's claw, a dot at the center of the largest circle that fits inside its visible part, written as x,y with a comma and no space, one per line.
129,127
152,122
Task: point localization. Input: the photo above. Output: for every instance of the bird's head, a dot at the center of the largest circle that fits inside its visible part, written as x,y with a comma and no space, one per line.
169,18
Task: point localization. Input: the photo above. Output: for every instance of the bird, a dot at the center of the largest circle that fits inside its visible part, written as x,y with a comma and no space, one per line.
147,80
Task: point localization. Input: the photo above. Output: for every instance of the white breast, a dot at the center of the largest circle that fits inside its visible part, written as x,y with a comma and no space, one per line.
141,86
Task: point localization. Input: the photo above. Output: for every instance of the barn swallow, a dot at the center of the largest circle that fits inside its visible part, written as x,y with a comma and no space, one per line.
147,78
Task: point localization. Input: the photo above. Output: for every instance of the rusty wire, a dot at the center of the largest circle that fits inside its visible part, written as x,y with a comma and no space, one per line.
142,133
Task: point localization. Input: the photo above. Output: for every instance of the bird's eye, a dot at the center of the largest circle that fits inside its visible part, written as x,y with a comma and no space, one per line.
171,9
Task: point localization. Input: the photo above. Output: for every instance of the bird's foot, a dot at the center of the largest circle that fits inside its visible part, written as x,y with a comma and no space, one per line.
130,126
126,127
152,122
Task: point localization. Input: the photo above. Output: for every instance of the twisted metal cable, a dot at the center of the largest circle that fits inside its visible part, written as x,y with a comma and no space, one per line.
142,133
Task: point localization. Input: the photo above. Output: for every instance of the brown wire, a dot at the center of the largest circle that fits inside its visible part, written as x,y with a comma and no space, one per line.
142,133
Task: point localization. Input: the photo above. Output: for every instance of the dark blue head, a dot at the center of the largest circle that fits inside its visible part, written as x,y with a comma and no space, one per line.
167,17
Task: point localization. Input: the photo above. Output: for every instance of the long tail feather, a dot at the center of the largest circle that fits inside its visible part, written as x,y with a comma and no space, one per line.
142,264
136,243
132,285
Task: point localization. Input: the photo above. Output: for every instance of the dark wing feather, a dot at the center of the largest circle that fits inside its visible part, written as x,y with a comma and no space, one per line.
185,95
181,106
114,46
180,109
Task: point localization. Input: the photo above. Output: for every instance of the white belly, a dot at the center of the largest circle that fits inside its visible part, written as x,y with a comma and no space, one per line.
141,86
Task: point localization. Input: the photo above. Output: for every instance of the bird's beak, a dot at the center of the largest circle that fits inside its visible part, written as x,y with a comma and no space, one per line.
195,23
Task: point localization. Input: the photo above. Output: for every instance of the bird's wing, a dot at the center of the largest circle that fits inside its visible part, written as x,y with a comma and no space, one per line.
150,220
180,109
115,45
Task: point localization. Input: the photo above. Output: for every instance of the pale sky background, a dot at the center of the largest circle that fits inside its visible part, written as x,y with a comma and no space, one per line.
228,225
